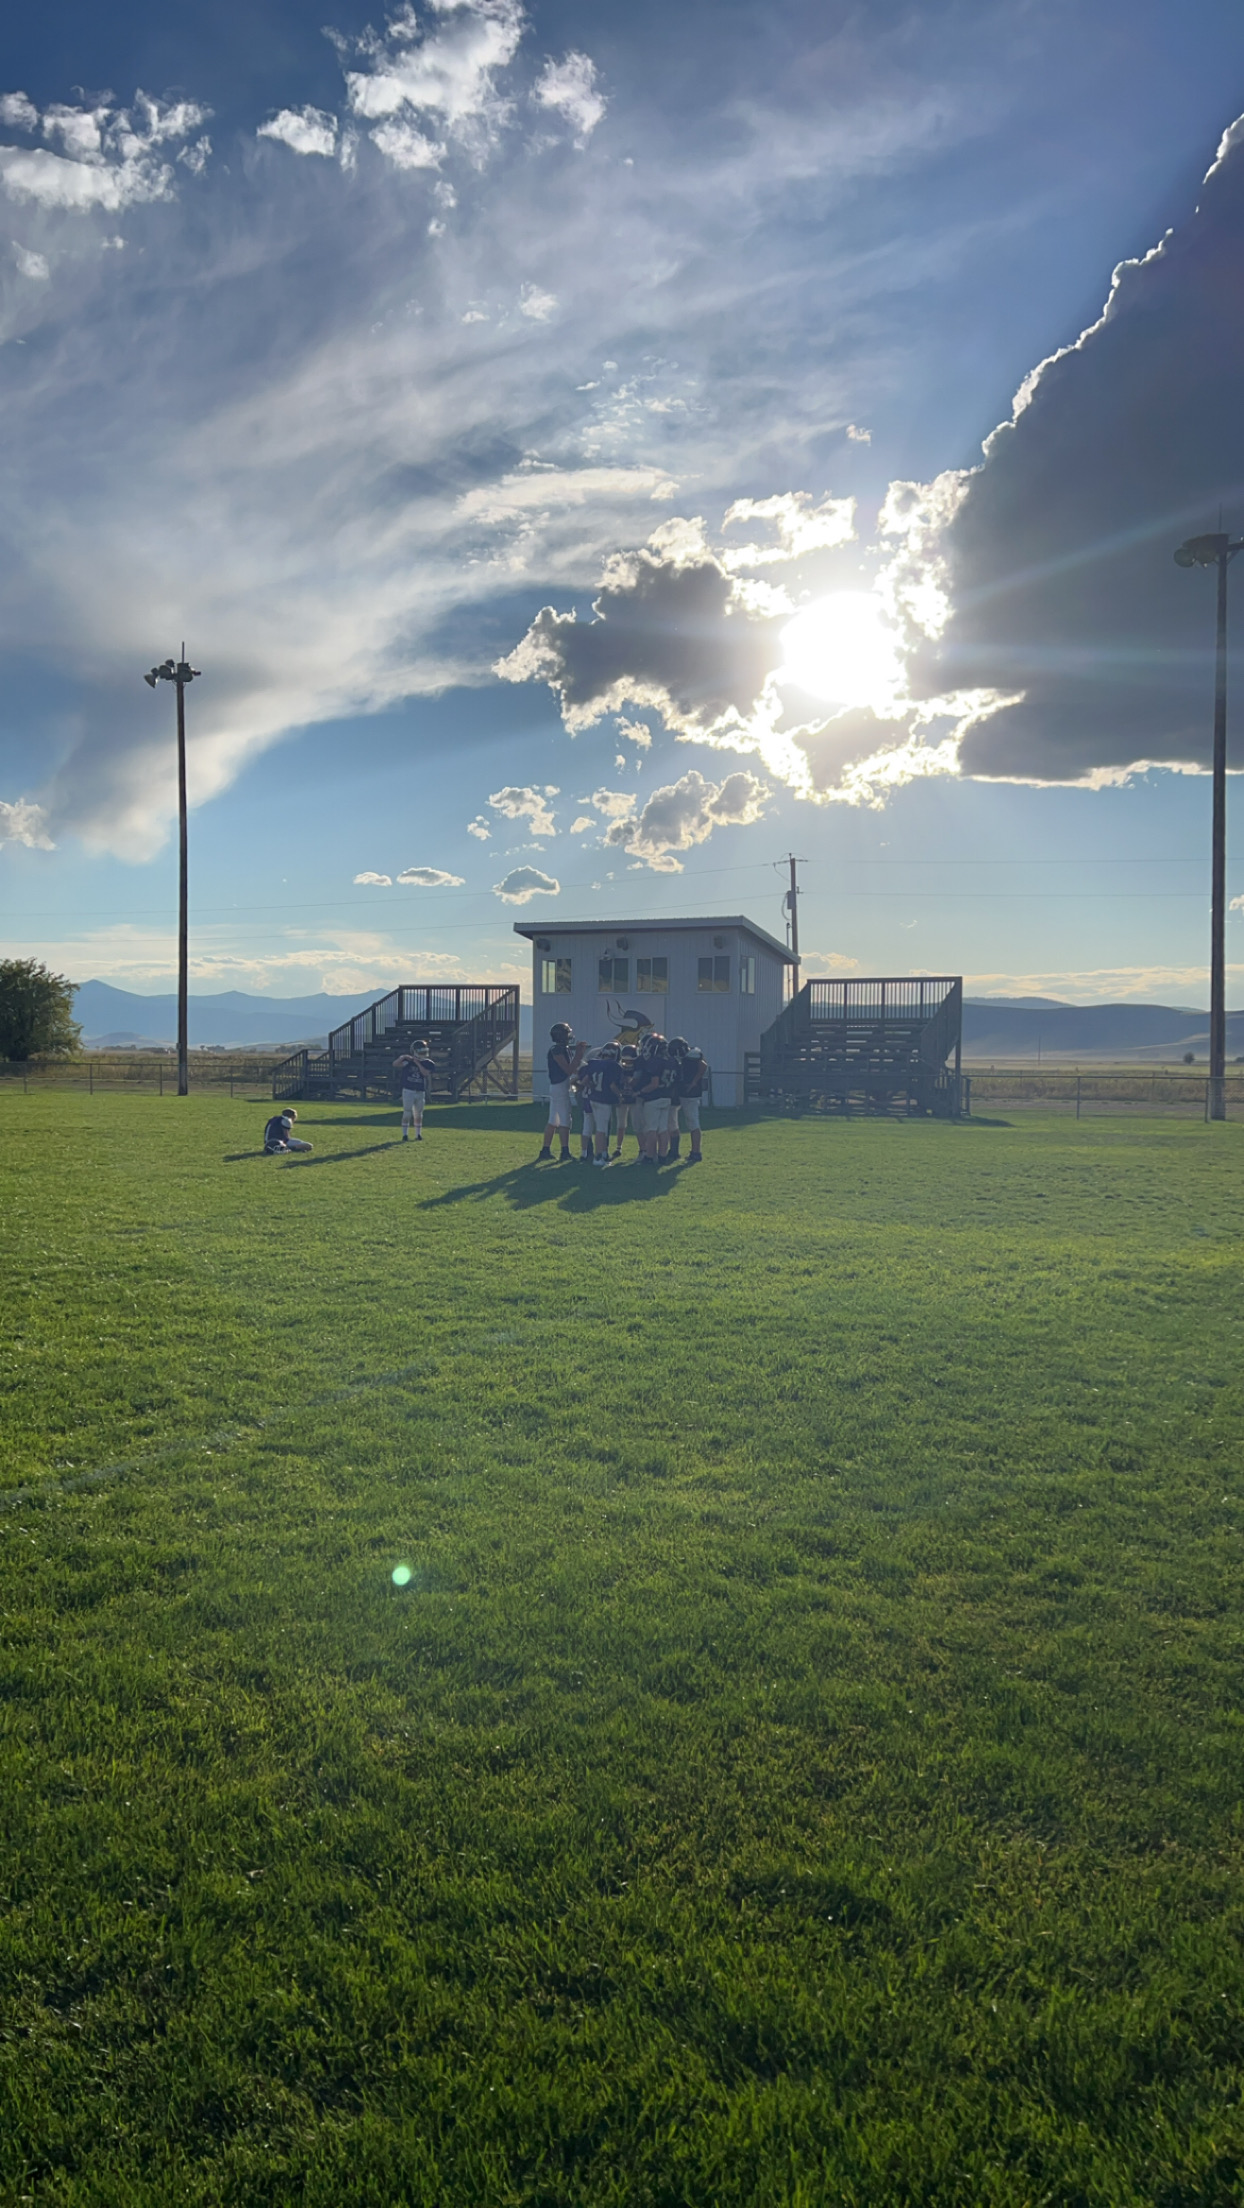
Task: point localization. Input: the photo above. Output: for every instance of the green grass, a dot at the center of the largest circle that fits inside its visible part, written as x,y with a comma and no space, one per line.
805,1766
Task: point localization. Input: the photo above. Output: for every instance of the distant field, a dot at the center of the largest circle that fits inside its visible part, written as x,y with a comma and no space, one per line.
804,1764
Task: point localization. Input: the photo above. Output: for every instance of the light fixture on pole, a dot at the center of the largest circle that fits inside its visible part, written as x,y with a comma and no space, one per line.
1217,551
180,673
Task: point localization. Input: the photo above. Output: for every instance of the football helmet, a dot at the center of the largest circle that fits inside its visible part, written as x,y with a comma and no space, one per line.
677,1047
561,1031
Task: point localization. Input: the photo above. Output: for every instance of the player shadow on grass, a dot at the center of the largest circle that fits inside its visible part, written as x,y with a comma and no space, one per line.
524,1187
339,1157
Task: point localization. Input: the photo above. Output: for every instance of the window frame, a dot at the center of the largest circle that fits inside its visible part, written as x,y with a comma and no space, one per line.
715,982
613,961
563,977
747,974
654,986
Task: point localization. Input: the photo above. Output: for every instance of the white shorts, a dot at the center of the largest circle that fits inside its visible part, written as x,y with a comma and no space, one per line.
656,1111
599,1116
413,1100
559,1104
689,1106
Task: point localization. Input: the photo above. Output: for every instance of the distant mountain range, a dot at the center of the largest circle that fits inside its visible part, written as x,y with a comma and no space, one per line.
1008,1027
120,1019
994,1028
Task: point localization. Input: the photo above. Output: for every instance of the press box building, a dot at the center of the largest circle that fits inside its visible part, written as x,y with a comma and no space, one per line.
719,982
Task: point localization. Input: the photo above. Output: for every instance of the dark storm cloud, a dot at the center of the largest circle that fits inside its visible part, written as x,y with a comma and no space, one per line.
670,628
1058,558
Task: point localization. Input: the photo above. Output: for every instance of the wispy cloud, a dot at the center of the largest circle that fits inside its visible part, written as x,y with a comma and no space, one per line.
569,88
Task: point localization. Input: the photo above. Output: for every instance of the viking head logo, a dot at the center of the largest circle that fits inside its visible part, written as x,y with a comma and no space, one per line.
627,1026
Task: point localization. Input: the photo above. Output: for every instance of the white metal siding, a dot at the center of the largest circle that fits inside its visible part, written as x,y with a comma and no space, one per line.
725,1025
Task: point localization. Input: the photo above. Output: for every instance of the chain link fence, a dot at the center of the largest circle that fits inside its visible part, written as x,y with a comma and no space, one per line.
135,1072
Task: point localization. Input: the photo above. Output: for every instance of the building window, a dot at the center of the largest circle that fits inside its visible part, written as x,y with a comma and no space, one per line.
652,977
714,973
747,977
555,977
615,973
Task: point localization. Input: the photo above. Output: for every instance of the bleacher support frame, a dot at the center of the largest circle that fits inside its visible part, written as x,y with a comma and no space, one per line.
879,1044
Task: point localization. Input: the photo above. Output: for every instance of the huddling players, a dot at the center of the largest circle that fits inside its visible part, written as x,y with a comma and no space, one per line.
652,1086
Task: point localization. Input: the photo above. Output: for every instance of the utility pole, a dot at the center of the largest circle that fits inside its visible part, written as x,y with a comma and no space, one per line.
181,674
792,907
1217,551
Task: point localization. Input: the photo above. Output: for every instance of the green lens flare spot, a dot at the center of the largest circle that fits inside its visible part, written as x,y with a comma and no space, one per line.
402,1575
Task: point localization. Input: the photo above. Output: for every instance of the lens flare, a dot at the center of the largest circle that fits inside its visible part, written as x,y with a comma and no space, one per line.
402,1575
842,649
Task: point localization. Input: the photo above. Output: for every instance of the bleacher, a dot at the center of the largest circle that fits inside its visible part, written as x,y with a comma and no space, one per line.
471,1029
884,1045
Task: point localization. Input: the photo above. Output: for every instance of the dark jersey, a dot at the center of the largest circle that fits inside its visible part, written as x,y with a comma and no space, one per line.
275,1131
559,1067
413,1073
692,1076
654,1082
603,1080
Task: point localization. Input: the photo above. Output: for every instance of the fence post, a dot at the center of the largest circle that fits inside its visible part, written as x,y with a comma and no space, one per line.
160,1071
90,1077
1077,1096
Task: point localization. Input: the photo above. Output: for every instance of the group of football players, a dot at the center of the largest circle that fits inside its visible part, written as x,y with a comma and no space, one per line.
653,1086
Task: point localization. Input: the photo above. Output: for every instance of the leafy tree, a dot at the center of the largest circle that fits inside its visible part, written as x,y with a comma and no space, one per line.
36,1011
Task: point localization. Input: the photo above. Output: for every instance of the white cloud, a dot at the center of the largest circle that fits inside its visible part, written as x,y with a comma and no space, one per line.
429,877
826,965
110,159
526,804
1155,984
303,130
616,804
297,963
523,883
31,264
569,88
534,489
635,732
479,828
858,436
580,826
17,112
373,881
23,822
408,148
537,305
445,69
800,527
685,813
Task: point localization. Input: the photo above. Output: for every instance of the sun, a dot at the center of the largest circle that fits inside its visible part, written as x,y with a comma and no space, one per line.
842,649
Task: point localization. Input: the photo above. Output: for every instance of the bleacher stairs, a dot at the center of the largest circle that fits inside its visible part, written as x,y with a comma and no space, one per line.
878,1046
470,1028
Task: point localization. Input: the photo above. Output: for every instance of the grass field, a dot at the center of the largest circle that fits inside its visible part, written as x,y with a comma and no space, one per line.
804,1765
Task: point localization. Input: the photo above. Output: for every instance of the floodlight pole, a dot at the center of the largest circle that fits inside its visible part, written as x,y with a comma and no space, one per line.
1218,864
1218,551
183,903
181,674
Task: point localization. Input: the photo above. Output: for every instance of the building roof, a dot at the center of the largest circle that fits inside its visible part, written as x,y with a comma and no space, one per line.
532,928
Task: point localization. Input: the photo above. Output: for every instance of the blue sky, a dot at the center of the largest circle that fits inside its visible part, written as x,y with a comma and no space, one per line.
373,363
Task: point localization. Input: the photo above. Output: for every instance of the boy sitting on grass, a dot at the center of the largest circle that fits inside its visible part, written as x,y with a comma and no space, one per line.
279,1135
